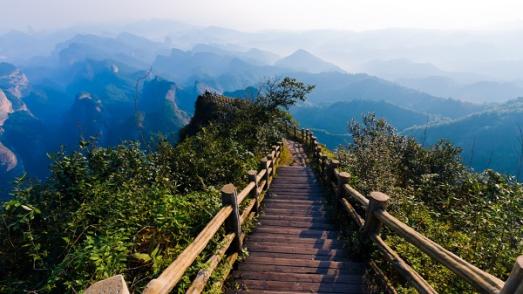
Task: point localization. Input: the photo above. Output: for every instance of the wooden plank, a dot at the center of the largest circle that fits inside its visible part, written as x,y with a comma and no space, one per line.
255,267
294,206
307,233
299,256
288,189
301,286
296,218
305,262
280,211
298,246
296,249
291,201
297,193
300,277
295,196
276,185
297,224
278,239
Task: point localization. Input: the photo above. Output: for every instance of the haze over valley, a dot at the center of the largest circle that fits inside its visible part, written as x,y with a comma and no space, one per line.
136,80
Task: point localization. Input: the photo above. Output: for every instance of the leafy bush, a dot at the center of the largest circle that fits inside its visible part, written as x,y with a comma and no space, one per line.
478,216
102,212
107,211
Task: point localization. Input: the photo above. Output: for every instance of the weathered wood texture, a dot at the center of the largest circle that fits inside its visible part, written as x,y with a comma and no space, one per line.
294,247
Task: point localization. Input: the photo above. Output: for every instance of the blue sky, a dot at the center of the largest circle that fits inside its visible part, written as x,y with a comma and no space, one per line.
268,14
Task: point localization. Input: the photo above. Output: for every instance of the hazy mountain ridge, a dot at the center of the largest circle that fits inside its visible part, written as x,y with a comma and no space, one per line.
303,61
490,139
333,120
105,87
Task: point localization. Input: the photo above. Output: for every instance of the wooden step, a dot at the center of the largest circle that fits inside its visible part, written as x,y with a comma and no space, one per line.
301,286
296,232
301,212
282,239
296,224
294,201
293,207
294,218
299,277
299,256
305,263
255,267
302,249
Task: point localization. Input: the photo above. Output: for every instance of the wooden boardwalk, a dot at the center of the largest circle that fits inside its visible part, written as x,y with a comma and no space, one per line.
294,247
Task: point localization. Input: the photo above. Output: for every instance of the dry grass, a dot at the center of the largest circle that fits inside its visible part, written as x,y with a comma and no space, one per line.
286,156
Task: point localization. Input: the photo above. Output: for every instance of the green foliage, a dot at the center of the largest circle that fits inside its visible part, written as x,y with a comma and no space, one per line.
102,212
208,158
282,93
127,210
476,216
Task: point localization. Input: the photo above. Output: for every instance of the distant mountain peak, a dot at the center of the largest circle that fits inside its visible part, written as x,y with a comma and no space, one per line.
302,60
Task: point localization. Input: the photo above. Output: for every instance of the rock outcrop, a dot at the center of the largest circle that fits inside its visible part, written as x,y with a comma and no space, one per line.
15,85
6,107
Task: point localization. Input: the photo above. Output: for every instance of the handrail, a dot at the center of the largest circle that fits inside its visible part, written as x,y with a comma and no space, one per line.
229,216
376,216
174,272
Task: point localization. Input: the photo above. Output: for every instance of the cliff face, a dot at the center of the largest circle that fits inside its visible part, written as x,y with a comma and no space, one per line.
211,107
15,85
85,119
160,111
8,160
6,107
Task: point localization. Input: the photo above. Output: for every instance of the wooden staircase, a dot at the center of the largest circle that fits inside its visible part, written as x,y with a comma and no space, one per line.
295,246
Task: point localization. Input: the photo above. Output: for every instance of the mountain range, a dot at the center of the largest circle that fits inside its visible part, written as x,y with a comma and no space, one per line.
126,87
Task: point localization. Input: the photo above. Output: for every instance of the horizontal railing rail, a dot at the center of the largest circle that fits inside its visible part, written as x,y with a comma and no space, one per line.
231,245
376,216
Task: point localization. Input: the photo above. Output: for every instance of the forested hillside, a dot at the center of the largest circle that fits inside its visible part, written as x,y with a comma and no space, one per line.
477,216
131,209
492,139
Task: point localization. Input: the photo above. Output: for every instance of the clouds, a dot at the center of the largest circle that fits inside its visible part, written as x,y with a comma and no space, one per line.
266,14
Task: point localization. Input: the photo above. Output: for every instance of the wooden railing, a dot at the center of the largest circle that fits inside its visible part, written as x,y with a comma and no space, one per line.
231,217
376,216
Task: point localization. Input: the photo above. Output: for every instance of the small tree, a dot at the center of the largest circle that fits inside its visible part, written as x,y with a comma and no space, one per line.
282,93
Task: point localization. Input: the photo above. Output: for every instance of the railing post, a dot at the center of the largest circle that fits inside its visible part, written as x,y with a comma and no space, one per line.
264,164
332,170
307,138
317,153
303,139
270,164
343,178
254,193
232,224
295,131
324,164
514,283
274,158
377,201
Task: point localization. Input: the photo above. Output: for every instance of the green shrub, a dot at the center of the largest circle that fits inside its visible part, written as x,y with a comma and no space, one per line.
478,216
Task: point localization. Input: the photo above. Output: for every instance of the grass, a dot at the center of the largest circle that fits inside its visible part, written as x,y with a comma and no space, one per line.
286,156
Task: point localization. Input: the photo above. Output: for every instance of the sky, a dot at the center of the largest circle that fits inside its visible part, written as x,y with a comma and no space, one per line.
250,15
